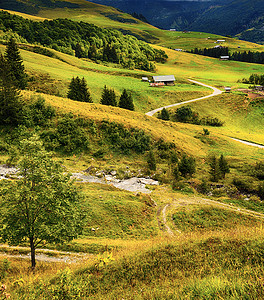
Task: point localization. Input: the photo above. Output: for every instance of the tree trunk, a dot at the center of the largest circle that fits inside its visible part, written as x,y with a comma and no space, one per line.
33,254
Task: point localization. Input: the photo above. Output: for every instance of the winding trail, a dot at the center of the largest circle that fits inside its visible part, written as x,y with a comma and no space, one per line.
215,93
177,203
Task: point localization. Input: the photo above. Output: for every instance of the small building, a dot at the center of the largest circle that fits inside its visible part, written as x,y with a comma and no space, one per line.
224,57
145,79
228,89
220,41
167,79
177,49
259,88
157,84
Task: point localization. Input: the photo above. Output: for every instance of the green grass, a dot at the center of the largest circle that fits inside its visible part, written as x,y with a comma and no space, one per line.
213,267
117,214
202,218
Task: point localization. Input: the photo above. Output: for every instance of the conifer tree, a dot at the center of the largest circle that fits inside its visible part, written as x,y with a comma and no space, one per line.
15,61
151,160
187,166
126,101
214,169
73,89
84,92
108,97
10,99
223,166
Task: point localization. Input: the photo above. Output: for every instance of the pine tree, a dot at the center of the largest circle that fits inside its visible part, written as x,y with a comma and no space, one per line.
126,101
84,92
214,169
15,61
11,105
223,166
151,160
73,90
108,97
187,166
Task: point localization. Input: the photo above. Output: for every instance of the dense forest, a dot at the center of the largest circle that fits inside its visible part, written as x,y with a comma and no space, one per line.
245,56
85,41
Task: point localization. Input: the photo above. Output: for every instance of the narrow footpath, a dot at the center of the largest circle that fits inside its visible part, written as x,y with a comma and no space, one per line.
216,92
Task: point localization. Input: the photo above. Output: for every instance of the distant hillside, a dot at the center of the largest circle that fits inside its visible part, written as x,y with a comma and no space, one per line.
219,16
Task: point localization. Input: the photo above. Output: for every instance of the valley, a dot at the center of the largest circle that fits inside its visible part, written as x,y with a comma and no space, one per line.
168,208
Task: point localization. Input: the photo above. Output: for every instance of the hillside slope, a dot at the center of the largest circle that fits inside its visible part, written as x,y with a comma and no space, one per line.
216,16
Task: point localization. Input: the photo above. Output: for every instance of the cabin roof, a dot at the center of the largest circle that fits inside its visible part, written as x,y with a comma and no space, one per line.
164,78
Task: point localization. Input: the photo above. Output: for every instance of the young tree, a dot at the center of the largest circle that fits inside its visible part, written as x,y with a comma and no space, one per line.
214,168
15,62
84,92
108,97
187,166
151,160
164,115
126,101
43,204
10,100
223,166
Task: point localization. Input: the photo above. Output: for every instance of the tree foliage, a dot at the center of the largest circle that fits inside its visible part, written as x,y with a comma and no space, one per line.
43,204
14,59
164,115
108,97
187,166
78,90
85,40
126,101
10,100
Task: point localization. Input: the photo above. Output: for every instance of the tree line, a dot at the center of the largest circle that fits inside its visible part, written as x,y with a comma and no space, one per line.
85,40
245,56
255,79
79,91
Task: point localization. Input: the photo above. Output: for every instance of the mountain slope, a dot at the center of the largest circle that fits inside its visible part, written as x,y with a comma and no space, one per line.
219,17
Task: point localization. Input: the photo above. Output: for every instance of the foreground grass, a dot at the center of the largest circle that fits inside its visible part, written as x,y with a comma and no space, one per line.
223,265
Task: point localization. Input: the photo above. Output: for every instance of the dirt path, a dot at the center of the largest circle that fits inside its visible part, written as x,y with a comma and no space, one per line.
177,203
215,93
44,255
248,143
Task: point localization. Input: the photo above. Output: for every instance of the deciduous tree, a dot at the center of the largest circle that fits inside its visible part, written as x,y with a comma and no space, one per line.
43,204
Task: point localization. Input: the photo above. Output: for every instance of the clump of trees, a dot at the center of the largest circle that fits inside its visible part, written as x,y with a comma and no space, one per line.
85,40
185,114
78,90
218,167
255,79
109,98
